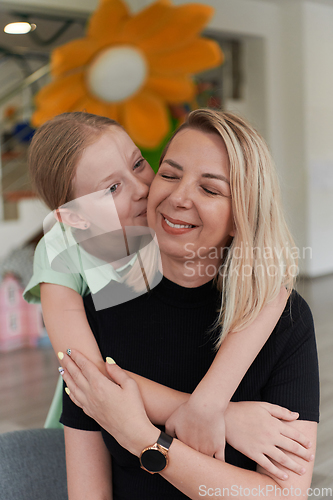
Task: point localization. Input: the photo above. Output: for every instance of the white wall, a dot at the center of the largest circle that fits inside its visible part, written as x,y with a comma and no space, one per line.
318,53
15,233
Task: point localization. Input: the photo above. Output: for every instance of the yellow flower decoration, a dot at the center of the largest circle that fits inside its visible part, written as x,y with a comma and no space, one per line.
131,67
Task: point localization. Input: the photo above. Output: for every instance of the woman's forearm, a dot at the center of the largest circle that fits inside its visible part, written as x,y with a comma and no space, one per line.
198,475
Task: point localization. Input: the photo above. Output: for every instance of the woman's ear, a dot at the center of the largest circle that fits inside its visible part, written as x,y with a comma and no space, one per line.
70,218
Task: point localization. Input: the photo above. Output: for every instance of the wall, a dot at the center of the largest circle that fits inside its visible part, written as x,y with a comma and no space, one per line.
14,234
318,78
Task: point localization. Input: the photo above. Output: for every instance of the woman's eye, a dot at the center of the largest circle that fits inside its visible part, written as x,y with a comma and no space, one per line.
113,188
164,176
208,191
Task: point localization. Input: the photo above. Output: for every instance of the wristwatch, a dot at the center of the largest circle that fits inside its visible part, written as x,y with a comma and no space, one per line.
155,458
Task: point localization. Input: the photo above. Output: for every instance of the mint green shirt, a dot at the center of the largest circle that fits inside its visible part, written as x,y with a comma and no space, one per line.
60,260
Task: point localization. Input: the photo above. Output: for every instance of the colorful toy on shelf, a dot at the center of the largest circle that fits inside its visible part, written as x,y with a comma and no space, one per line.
132,67
21,324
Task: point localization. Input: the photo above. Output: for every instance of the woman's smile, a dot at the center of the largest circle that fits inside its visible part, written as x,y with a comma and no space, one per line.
175,226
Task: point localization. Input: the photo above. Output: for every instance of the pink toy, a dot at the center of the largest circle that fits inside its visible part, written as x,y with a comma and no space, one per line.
21,323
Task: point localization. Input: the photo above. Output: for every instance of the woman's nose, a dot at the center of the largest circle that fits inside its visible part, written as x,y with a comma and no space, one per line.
181,195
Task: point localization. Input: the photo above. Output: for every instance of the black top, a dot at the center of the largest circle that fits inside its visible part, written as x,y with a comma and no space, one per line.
167,336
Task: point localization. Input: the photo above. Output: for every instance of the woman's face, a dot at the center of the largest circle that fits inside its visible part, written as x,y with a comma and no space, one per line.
112,181
189,202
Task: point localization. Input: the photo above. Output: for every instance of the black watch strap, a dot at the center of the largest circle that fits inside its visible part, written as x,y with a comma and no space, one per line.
165,440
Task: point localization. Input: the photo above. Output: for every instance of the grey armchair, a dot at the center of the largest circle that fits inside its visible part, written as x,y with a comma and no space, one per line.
32,465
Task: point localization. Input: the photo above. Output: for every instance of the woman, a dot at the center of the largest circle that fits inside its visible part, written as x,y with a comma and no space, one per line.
96,183
215,209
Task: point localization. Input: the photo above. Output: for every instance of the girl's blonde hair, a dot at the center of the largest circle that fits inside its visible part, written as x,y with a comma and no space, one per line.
261,257
56,149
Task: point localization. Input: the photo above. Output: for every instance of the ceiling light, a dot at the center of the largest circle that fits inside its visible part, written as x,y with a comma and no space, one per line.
17,28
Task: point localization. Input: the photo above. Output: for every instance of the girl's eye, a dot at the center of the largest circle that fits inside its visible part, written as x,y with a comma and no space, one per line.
113,188
138,163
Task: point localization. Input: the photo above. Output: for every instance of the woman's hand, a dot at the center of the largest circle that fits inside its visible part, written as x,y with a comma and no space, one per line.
116,405
200,426
261,432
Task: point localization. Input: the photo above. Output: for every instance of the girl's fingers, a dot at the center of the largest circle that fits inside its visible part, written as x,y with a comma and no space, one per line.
289,432
266,464
295,448
281,458
280,412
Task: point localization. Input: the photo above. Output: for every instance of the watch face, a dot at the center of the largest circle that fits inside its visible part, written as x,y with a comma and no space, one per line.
153,460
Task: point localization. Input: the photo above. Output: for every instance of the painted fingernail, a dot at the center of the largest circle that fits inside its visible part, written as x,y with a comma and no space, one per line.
285,476
69,352
110,361
302,471
60,355
61,370
67,391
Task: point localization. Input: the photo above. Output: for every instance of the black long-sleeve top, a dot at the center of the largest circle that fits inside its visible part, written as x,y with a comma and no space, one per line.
167,336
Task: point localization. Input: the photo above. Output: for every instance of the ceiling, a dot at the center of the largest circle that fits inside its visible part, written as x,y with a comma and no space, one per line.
52,30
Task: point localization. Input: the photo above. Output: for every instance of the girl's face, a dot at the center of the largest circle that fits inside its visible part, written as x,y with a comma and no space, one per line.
117,178
189,202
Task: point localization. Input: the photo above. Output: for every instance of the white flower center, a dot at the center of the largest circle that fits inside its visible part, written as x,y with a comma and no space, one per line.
117,73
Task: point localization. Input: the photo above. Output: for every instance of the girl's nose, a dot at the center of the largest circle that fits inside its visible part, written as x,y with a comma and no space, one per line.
140,189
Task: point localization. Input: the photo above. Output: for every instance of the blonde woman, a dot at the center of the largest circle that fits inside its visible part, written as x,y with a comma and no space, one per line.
214,205
96,182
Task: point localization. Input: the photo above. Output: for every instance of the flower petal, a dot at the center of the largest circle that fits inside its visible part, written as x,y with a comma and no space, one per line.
58,97
199,55
106,22
91,105
72,55
186,22
147,22
145,119
174,89
67,88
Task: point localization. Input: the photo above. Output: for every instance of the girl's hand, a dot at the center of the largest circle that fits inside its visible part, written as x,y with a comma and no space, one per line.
116,405
261,432
200,426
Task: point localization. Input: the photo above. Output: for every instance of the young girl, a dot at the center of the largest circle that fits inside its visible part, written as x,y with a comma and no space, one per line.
71,157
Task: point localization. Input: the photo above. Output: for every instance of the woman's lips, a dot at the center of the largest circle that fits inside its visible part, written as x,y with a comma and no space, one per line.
171,226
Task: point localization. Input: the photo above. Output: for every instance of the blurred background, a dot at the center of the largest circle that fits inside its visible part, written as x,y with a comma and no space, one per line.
277,72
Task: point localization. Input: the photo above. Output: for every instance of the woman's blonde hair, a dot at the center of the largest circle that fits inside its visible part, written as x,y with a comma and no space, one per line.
261,257
56,149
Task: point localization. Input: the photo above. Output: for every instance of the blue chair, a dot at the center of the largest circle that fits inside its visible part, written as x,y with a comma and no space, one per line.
33,465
